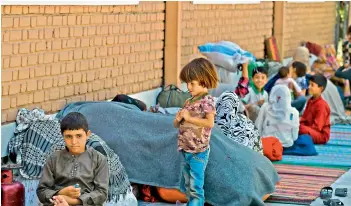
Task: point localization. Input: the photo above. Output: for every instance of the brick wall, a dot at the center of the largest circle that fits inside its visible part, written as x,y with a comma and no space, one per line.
244,24
53,55
309,22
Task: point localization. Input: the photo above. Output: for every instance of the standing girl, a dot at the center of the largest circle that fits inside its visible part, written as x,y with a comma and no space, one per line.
195,122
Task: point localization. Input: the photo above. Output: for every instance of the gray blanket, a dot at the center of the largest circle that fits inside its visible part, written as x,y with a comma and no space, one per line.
147,146
337,110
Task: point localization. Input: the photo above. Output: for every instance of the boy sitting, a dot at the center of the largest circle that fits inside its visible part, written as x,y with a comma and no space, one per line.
257,95
315,120
78,174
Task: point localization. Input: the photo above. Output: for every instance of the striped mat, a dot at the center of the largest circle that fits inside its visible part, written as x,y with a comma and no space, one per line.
335,154
301,184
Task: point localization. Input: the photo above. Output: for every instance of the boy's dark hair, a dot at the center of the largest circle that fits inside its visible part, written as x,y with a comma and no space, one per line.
74,121
283,72
320,80
262,70
201,70
349,30
300,69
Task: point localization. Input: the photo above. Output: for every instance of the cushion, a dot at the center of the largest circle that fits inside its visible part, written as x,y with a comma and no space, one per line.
171,195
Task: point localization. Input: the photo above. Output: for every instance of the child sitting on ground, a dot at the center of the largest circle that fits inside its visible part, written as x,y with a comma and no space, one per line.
285,79
257,95
278,118
315,120
195,122
79,174
299,74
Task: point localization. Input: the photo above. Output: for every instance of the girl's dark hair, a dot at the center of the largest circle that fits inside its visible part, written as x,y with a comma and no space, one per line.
300,69
74,121
283,72
201,70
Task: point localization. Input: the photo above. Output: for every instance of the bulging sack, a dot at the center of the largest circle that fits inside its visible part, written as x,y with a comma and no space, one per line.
172,96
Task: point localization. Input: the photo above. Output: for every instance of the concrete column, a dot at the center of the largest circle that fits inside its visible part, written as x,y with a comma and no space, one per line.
172,50
278,25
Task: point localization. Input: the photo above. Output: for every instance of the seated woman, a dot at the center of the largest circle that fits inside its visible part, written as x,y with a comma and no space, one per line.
278,118
236,125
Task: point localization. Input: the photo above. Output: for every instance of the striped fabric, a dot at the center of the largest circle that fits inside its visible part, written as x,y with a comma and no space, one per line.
302,184
335,154
272,49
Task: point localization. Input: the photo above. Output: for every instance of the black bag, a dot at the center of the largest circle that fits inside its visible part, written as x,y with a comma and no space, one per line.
172,96
129,100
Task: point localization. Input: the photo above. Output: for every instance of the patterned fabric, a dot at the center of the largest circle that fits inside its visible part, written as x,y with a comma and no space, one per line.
272,49
23,120
301,81
40,140
36,139
302,185
242,89
346,50
235,125
119,182
193,138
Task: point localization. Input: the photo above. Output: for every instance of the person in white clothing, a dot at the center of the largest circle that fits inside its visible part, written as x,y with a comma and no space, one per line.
278,118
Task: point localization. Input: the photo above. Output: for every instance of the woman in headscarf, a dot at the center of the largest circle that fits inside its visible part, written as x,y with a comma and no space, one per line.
278,118
234,124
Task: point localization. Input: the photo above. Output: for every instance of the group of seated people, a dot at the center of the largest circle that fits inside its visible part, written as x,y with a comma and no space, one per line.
284,113
278,114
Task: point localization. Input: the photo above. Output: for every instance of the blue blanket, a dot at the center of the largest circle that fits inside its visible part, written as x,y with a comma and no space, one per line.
147,146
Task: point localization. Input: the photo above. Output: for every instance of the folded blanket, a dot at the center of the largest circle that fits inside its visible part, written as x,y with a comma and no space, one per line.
272,148
147,146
